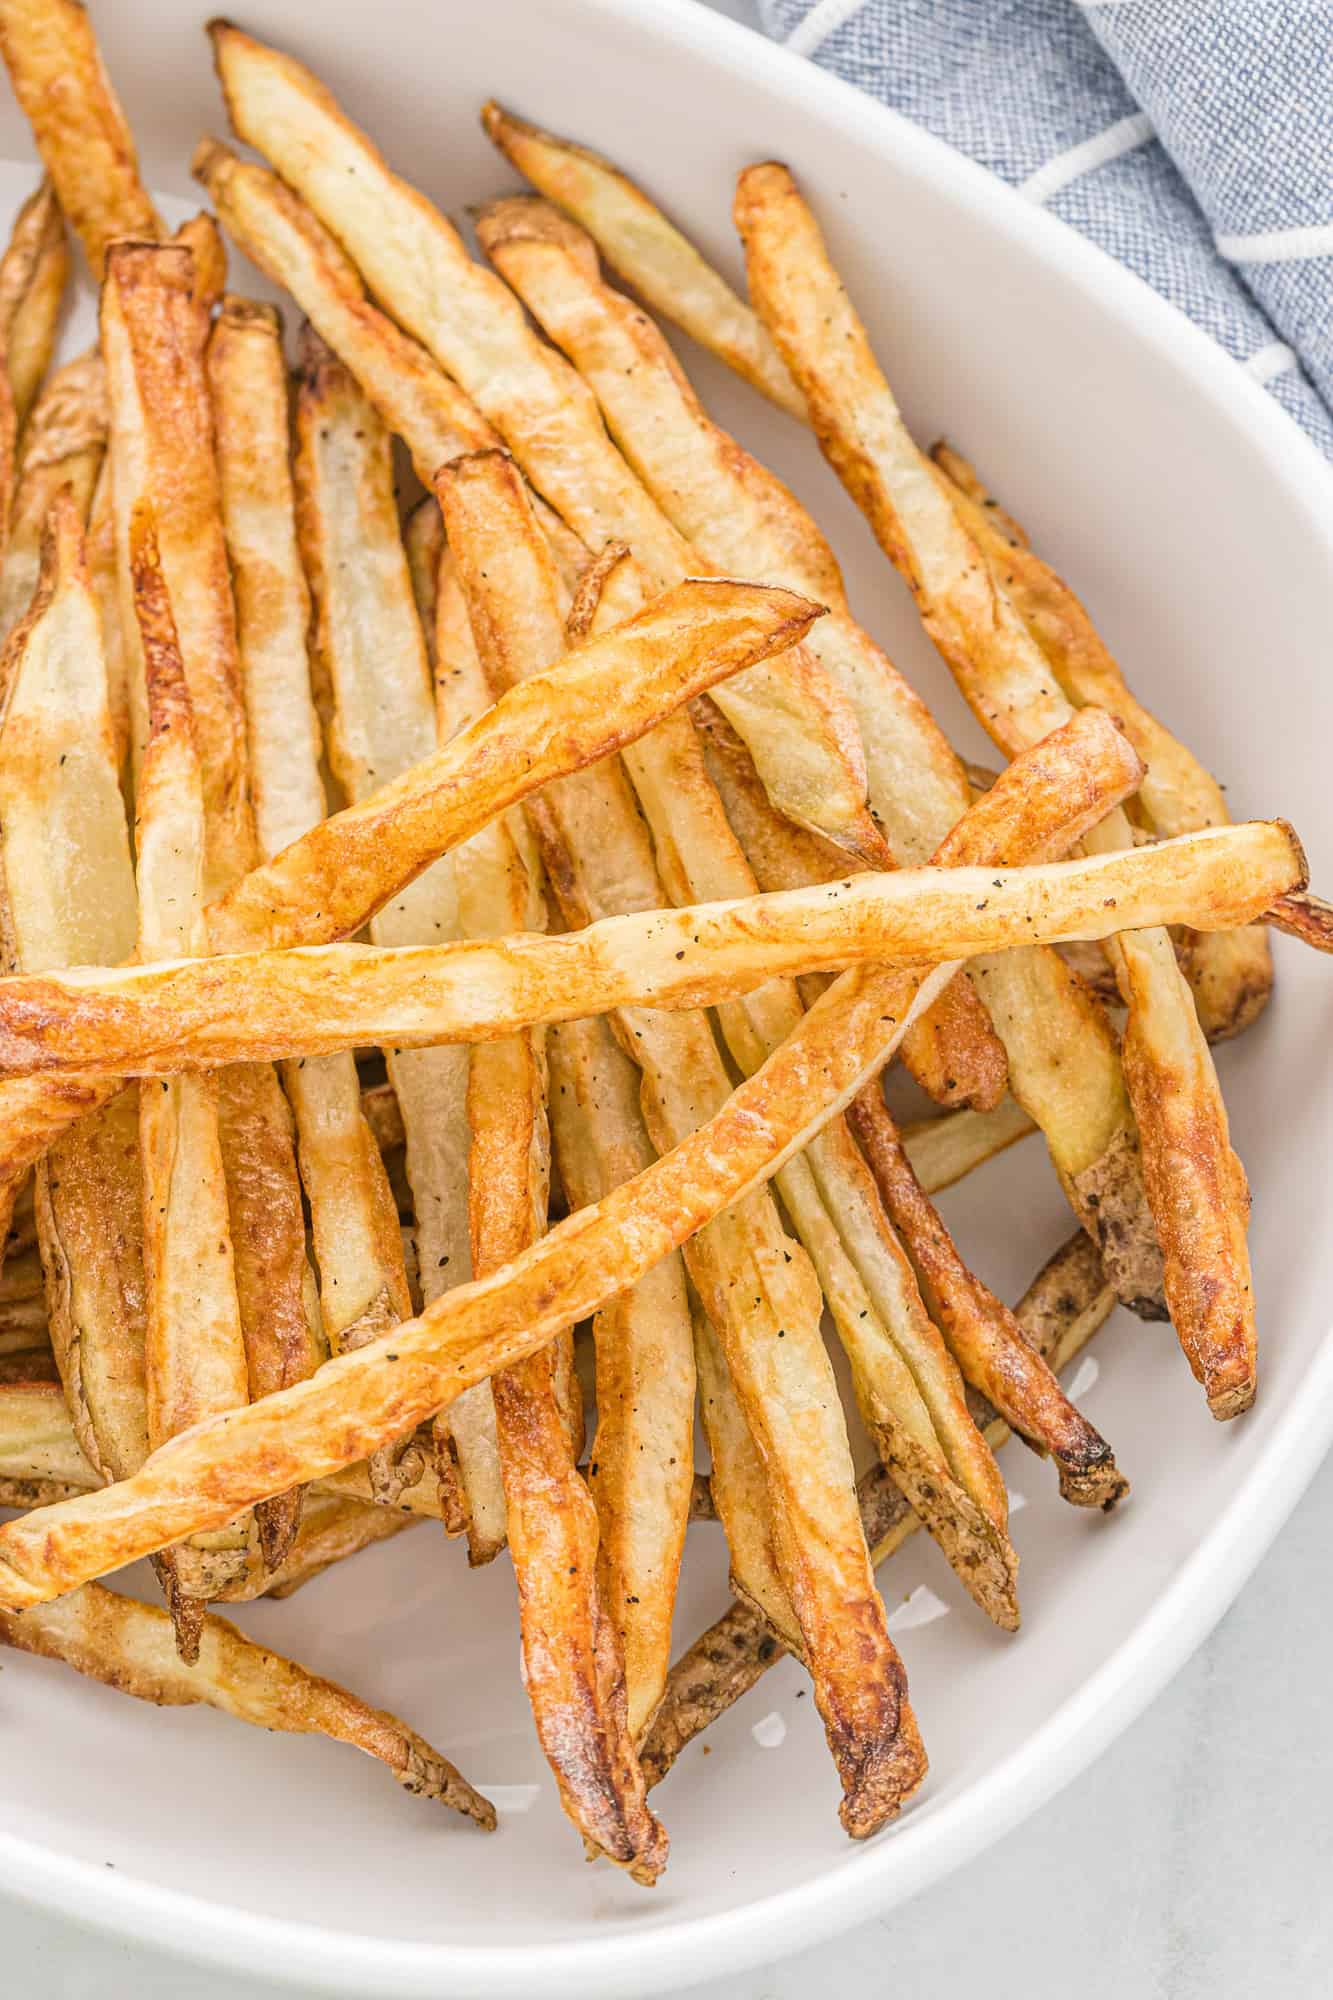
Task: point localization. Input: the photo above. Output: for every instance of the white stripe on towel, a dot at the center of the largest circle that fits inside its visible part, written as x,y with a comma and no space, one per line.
821,22
1274,358
1122,137
1276,246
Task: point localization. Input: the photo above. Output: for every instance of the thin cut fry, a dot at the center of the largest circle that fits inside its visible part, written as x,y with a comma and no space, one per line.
984,1336
51,53
162,1020
154,330
1306,916
372,660
1194,1182
909,1392
1060,1312
195,1353
328,883
760,1294
1231,973
354,1225
33,271
944,1150
1046,799
646,250
128,1646
64,445
798,725
642,1451
1060,1048
36,1440
70,893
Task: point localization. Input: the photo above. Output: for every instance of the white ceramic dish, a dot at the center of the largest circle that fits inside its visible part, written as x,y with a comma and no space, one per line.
1197,521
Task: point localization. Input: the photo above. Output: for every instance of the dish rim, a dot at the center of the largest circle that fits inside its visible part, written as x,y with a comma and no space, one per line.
934,1842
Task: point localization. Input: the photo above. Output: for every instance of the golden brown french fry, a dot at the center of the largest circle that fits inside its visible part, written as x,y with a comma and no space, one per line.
191,1012
330,881
153,337
944,1150
201,236
646,250
908,1389
354,1225
642,1452
154,330
746,519
128,1646
373,661
1067,1068
71,892
33,271
983,1334
798,725
64,445
1231,973
195,1358
1060,1312
599,858
86,145
1306,916
1044,802
410,392
1194,1182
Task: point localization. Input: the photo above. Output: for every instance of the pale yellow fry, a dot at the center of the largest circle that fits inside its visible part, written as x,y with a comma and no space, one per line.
128,1646
649,252
354,1223
1231,973
642,1453
799,728
1047,799
327,884
162,1019
70,892
64,445
760,1294
909,1391
372,659
944,1150
87,147
1194,1182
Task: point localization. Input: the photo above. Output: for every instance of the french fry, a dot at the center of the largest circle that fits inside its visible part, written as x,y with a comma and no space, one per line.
192,1012
1303,915
86,145
945,1150
642,1450
909,1392
646,250
64,445
798,725
1067,1069
1044,802
33,271
153,337
373,661
1231,973
1194,1182
411,394
128,1646
154,330
70,893
984,1336
328,883
37,1442
1063,1308
598,857
354,1225
195,1357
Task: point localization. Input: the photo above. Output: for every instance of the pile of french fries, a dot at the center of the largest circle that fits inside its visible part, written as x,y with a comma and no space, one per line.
376,862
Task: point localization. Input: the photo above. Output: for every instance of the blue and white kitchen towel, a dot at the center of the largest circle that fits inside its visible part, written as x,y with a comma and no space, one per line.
1192,139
